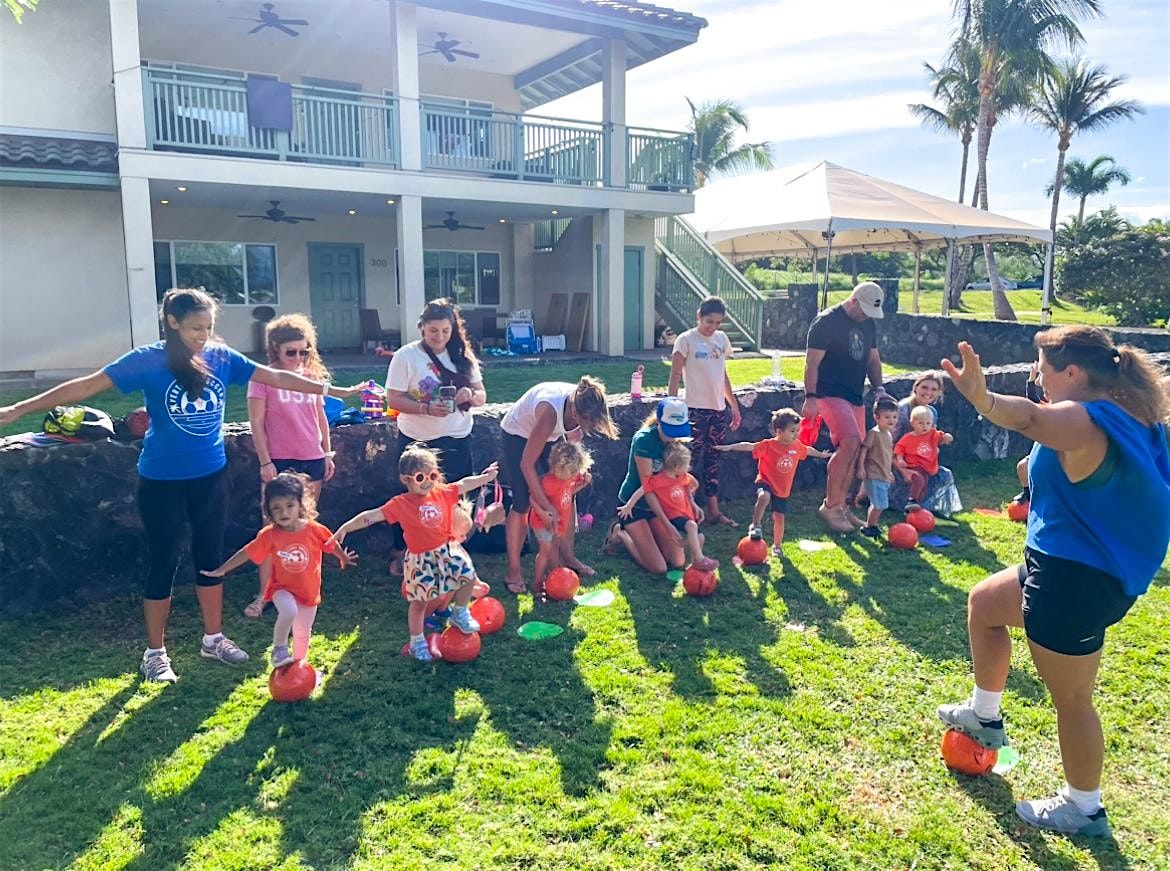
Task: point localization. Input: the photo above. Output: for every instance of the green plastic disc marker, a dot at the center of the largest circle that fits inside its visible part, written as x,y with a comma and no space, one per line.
534,630
1006,759
595,599
674,575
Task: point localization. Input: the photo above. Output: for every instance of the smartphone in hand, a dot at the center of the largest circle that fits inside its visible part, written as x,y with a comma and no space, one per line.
447,396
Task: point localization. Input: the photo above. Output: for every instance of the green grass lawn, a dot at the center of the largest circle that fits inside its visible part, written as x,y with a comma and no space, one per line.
786,722
505,383
978,304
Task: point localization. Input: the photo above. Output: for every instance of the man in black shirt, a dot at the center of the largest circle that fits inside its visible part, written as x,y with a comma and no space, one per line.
842,351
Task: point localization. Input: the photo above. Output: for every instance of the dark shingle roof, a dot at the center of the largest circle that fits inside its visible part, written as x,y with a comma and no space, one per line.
50,152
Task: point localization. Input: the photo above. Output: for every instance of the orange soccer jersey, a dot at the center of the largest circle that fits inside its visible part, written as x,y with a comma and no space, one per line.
674,494
426,520
559,492
296,560
777,464
920,451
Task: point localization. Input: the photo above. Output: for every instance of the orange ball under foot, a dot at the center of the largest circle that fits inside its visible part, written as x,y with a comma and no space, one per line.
292,683
964,754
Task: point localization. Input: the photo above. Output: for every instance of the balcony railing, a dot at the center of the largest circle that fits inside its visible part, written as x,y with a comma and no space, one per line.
205,112
208,112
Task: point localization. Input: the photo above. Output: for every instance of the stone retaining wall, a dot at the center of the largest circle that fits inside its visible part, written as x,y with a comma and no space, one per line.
70,530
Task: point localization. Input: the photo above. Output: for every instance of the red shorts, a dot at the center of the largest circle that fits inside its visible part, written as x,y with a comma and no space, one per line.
843,419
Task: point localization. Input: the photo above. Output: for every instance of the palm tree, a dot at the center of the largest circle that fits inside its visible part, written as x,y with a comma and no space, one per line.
1073,97
1012,38
1084,180
956,87
714,126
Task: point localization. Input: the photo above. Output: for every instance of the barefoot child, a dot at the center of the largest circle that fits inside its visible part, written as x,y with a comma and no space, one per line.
568,464
670,494
916,453
436,563
875,467
292,545
778,458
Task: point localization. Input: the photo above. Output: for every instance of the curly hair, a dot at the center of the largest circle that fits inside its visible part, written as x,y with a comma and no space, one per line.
458,346
295,328
291,485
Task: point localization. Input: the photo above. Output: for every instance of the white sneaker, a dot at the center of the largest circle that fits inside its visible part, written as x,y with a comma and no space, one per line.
157,667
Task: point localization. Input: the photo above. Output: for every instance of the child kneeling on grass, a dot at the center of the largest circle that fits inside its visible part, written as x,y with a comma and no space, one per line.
436,563
670,494
875,462
294,542
568,464
777,460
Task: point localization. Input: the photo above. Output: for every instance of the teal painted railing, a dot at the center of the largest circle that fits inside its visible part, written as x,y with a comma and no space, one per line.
659,159
206,112
703,271
547,233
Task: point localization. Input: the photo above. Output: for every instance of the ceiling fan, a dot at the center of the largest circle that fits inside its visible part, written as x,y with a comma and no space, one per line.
269,18
446,47
277,215
450,223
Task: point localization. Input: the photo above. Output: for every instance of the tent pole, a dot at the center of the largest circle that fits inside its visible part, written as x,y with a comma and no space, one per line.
815,259
917,273
828,257
1046,295
946,300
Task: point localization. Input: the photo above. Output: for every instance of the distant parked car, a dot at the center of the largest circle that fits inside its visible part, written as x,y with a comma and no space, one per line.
1034,283
1005,283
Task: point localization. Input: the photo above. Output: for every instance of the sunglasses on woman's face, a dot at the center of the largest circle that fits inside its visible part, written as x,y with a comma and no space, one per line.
419,477
293,352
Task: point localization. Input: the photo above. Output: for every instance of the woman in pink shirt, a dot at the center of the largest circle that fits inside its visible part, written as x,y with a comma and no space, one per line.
289,429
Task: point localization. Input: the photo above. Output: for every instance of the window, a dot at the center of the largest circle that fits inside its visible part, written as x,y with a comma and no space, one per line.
467,277
234,273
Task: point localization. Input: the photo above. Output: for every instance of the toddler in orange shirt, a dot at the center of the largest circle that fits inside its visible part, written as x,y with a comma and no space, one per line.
436,563
294,541
916,453
568,464
670,495
777,459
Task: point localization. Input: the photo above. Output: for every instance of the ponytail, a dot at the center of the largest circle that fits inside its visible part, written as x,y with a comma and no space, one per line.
188,368
591,408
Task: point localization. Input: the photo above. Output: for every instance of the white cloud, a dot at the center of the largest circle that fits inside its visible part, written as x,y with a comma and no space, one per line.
1033,161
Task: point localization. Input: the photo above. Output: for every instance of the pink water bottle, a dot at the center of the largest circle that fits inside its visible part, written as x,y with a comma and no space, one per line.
636,383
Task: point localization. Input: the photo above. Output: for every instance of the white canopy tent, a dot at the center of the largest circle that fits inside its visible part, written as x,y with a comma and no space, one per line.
827,209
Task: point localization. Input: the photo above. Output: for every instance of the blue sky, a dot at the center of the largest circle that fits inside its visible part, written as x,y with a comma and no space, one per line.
831,81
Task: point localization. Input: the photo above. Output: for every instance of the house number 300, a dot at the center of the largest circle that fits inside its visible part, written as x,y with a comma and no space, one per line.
379,261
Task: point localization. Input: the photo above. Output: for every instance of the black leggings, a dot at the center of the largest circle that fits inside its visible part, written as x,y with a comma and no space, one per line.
454,463
166,508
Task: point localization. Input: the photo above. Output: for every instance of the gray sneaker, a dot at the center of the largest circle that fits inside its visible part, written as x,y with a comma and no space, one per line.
223,649
1059,814
157,667
989,733
281,657
462,620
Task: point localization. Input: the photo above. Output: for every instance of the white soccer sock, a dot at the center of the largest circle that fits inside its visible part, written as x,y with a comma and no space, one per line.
154,651
208,640
986,703
1088,801
415,638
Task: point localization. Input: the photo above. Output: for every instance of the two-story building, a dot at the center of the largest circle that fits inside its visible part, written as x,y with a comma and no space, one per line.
326,156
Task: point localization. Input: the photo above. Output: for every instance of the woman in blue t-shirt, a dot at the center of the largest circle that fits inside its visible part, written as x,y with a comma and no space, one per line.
181,469
1099,460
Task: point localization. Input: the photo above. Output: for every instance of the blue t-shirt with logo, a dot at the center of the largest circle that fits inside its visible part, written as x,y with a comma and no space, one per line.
185,439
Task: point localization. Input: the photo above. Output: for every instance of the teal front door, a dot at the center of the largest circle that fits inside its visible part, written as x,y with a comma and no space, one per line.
633,299
335,294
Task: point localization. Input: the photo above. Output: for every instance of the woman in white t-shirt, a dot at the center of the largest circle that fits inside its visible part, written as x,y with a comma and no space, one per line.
700,361
418,371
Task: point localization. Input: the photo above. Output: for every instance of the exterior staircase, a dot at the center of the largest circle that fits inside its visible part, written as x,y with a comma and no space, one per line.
689,270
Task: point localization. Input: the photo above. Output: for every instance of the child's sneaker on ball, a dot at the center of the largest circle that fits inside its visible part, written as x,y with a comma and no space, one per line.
281,657
420,650
462,620
989,733
755,533
1060,814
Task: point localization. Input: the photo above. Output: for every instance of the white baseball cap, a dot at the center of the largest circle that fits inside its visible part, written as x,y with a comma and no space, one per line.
869,296
675,418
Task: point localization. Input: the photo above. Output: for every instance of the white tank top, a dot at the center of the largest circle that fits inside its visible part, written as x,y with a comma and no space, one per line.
521,417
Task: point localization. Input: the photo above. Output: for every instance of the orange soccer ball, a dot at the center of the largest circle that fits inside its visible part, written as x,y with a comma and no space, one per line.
753,551
489,613
903,536
1018,511
698,582
457,647
292,683
964,754
562,584
921,519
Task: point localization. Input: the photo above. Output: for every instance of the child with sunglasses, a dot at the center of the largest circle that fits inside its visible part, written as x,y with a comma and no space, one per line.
289,430
436,563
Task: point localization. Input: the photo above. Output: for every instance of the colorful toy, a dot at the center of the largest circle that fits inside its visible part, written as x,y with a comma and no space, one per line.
562,584
752,550
373,401
636,383
489,613
921,519
1018,511
292,683
964,754
903,536
457,647
584,522
432,643
698,582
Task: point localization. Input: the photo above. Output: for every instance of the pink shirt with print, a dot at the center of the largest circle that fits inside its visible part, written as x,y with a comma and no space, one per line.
291,422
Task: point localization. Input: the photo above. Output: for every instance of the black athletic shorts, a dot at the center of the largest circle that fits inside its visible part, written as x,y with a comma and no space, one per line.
511,475
779,503
680,523
1068,605
641,512
315,469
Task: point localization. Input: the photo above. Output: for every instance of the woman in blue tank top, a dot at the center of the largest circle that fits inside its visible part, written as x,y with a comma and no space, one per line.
1099,460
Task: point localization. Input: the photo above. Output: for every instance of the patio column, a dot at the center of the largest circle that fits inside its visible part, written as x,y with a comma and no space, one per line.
405,27
611,284
408,212
138,235
129,105
613,109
